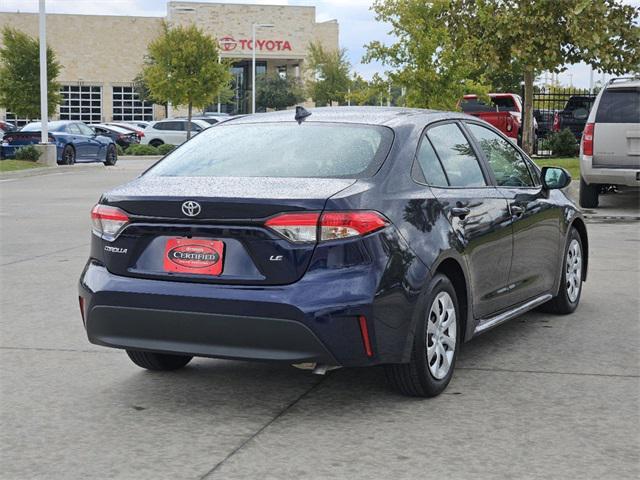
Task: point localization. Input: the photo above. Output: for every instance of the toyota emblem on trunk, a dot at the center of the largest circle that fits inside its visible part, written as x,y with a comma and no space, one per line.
191,208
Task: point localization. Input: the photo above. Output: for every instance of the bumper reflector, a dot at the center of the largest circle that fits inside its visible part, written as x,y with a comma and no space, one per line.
81,302
364,331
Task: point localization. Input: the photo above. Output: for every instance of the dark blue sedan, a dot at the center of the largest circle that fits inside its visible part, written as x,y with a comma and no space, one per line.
75,142
336,237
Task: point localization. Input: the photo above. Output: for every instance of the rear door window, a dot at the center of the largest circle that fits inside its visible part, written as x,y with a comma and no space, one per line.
619,105
456,156
430,165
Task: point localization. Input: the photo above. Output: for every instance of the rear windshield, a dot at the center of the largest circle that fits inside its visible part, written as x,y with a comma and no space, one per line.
283,149
619,105
36,127
500,104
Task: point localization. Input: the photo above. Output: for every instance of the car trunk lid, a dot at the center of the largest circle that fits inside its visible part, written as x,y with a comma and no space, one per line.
228,210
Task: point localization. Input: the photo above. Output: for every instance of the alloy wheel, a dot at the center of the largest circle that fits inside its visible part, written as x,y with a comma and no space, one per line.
573,272
441,335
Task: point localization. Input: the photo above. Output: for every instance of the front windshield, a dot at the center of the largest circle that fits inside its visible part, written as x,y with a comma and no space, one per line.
283,149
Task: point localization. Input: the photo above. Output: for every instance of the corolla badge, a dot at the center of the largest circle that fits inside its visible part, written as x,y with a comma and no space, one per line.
191,208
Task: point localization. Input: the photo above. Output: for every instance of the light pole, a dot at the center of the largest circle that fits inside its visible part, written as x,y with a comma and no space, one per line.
44,114
254,27
222,43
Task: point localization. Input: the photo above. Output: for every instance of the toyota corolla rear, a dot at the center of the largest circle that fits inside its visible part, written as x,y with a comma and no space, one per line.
250,241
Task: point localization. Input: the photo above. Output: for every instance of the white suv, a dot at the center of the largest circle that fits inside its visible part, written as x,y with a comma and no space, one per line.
610,146
171,131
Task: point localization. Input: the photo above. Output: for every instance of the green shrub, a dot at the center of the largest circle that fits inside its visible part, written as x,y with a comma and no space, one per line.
563,144
138,149
165,148
28,153
119,149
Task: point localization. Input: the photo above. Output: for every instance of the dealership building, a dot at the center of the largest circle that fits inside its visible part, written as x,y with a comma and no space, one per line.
100,55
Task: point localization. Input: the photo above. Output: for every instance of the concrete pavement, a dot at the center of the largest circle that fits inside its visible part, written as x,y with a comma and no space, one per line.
540,397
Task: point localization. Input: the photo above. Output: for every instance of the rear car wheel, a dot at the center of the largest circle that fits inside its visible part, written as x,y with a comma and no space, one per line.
158,361
568,297
588,194
112,156
68,155
435,346
156,142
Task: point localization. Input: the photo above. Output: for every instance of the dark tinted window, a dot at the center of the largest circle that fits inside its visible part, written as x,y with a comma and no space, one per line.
431,167
168,126
501,104
456,155
618,105
280,150
507,164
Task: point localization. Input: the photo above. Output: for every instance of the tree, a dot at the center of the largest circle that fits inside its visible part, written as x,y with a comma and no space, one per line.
434,67
20,75
377,91
182,67
546,35
274,91
444,43
329,74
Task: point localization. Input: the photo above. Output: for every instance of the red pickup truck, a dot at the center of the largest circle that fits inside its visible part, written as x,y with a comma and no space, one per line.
504,112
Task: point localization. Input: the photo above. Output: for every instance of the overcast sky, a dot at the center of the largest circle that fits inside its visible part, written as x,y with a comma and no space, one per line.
357,23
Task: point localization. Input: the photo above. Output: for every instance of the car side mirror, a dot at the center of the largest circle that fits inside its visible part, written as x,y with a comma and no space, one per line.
555,178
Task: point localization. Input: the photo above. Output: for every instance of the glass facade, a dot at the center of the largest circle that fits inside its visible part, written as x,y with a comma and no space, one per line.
81,102
128,107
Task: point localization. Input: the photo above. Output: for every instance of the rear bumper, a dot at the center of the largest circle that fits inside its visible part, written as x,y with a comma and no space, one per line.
315,319
206,334
614,176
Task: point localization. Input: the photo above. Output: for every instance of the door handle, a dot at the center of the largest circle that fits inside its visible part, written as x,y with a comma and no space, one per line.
516,210
460,212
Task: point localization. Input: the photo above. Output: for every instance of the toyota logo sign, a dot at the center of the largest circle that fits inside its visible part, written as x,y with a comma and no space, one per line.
191,208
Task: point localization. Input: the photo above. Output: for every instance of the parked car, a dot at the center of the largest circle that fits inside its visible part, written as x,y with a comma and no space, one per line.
341,236
544,120
504,112
139,131
75,142
141,124
6,127
574,115
171,131
610,146
210,119
123,137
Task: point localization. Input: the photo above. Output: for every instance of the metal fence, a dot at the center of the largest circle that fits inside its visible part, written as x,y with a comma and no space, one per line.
556,109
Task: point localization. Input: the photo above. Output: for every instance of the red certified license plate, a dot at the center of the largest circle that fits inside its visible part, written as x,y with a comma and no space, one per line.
194,255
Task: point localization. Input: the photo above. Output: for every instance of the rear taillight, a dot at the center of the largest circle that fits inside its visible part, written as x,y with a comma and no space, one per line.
312,227
108,221
587,139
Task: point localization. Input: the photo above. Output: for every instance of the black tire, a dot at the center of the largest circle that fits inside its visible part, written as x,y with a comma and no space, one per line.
562,303
415,378
158,361
68,155
156,142
589,194
112,156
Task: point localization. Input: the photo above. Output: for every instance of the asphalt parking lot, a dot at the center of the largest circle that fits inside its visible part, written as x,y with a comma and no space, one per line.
540,397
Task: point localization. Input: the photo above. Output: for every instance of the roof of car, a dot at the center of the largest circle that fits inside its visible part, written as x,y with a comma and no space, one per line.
624,83
366,115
